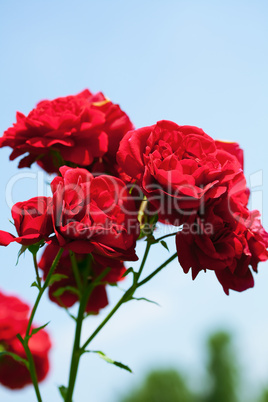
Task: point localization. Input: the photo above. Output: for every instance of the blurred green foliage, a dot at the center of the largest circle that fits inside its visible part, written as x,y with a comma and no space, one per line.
264,396
222,382
162,386
222,369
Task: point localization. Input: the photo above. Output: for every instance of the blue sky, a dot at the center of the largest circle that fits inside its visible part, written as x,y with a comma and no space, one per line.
201,63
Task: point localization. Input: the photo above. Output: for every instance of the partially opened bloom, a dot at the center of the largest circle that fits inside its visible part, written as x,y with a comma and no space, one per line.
14,315
82,130
32,220
64,292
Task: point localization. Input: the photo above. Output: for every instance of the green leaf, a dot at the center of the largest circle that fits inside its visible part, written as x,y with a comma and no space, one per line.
35,284
144,299
113,284
56,278
164,244
35,330
60,291
15,357
22,251
109,360
63,391
33,249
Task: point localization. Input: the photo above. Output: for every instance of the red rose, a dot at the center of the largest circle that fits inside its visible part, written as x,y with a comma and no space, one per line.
94,214
225,243
178,168
117,268
232,148
33,222
98,298
80,129
208,242
254,242
14,315
256,238
238,196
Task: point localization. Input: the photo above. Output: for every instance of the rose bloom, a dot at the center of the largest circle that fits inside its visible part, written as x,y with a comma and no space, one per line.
179,168
82,130
32,220
88,271
86,214
14,315
232,148
94,214
224,242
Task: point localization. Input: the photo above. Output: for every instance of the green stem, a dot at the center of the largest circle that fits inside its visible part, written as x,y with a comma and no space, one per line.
76,346
36,271
76,272
127,296
41,291
77,351
26,339
157,270
164,237
123,299
147,249
32,370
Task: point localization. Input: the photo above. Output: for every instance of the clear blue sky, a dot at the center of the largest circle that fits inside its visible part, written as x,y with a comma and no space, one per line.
201,63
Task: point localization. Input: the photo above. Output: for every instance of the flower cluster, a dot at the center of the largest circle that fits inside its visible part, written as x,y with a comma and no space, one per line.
111,181
188,180
194,181
14,316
